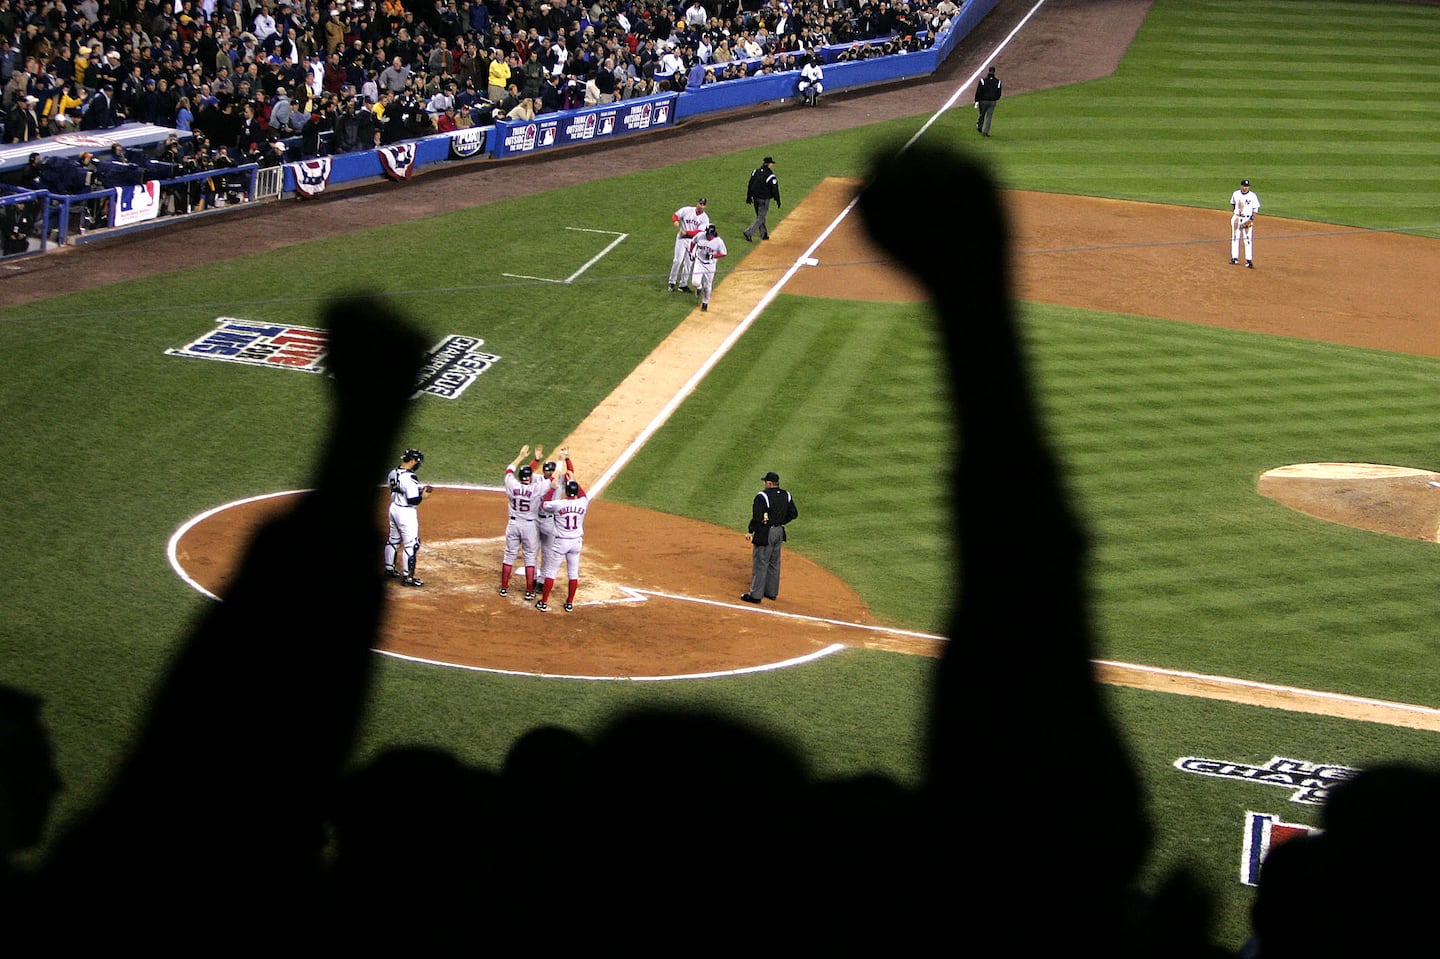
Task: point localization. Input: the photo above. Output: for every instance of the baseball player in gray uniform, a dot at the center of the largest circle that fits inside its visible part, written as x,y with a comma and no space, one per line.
706,250
406,493
690,222
1244,204
523,490
569,512
545,522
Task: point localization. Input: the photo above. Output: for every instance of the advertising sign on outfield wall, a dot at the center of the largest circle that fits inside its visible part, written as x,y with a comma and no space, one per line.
582,126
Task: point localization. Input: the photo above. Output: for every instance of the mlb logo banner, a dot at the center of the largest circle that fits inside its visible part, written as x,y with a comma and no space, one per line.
311,177
1264,832
398,160
138,203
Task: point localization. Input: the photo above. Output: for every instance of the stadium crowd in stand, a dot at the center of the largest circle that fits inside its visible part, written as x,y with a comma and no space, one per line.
344,75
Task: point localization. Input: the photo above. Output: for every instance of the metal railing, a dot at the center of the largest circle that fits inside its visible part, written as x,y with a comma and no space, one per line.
59,217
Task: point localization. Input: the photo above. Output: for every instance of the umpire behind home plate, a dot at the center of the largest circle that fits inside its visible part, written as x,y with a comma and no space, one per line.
772,508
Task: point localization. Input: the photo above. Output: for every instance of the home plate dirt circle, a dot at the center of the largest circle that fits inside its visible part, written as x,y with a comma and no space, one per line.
658,598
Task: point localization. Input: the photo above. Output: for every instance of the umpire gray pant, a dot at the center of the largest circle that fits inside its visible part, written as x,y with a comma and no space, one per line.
757,227
987,113
765,563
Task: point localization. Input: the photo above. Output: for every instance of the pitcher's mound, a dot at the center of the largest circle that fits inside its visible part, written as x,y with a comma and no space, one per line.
1397,500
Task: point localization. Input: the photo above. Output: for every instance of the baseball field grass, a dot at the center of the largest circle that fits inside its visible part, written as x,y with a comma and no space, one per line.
1330,108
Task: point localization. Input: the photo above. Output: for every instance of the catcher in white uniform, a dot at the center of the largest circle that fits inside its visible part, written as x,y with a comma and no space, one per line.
1245,205
523,490
706,250
406,493
690,222
569,513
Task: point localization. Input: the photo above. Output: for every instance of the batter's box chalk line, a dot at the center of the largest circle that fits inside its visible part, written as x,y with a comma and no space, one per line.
619,238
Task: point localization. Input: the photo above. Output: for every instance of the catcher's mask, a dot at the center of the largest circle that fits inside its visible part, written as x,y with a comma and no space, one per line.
525,473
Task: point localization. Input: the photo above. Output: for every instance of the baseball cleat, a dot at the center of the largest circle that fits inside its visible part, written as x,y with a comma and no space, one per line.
1234,262
747,237
542,606
569,607
1249,264
704,307
411,581
529,595
672,287
392,573
749,599
504,591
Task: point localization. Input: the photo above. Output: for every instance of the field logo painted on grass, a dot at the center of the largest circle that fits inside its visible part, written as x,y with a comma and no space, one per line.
259,344
1311,781
453,364
1263,832
449,368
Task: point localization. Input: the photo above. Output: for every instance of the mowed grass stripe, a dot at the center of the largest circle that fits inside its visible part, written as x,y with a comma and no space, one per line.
1164,464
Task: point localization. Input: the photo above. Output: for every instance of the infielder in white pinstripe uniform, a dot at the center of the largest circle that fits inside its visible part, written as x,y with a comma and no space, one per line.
1245,205
690,222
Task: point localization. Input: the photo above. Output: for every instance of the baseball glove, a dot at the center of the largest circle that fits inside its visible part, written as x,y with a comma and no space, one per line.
1247,223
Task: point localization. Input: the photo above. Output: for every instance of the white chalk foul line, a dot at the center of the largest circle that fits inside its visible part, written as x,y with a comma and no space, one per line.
805,259
1274,688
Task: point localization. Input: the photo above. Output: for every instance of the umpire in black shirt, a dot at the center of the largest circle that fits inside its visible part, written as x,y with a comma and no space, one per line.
772,508
987,94
762,188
